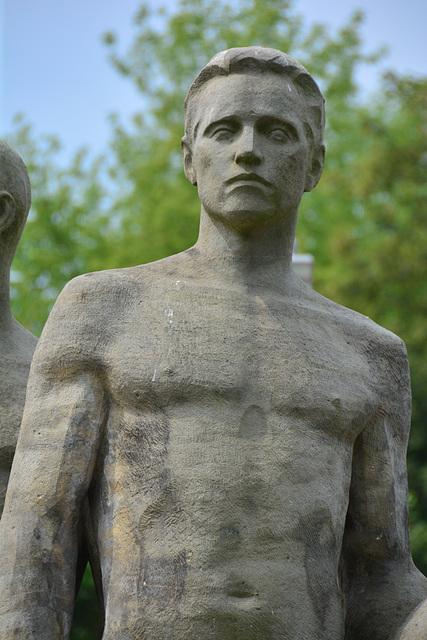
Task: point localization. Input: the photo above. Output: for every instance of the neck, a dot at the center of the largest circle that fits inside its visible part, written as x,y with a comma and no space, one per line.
5,312
261,256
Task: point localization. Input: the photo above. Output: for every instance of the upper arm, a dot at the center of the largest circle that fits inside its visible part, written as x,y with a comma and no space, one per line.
64,409
60,434
380,583
58,441
377,520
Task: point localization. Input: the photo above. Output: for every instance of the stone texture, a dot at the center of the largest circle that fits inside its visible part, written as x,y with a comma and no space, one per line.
16,343
240,440
415,628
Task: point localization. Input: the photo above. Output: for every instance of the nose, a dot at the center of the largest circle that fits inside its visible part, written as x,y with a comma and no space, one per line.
247,152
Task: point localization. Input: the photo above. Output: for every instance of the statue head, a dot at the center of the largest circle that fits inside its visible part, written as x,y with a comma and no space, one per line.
253,114
257,60
15,198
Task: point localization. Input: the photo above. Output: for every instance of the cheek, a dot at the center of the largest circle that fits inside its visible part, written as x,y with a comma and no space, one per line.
202,164
292,168
212,159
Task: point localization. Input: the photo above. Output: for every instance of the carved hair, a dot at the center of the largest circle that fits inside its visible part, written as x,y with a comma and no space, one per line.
260,60
15,180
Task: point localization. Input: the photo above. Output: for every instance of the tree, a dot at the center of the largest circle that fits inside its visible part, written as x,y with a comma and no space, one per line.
67,230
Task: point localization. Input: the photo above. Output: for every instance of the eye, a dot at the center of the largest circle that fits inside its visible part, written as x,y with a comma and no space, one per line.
277,130
278,133
223,132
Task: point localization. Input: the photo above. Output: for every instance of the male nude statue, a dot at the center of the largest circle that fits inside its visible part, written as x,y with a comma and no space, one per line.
241,439
16,343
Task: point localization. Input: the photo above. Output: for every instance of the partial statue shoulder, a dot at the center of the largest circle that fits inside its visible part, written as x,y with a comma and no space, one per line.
17,342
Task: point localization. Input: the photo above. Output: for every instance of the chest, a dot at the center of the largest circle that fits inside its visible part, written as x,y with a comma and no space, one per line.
205,346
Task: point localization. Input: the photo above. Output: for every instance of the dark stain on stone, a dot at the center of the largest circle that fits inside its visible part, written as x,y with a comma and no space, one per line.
180,573
242,590
316,530
253,424
164,513
227,532
248,503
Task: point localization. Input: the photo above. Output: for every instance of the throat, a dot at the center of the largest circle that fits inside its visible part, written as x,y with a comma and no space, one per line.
262,257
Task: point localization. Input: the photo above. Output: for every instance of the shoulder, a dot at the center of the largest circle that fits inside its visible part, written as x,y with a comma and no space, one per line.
113,287
84,319
384,351
16,342
355,325
92,309
101,296
381,358
94,289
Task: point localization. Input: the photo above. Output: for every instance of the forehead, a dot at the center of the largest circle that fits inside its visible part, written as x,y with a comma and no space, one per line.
243,95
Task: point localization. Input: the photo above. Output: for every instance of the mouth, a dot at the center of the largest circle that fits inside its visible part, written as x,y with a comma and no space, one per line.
249,178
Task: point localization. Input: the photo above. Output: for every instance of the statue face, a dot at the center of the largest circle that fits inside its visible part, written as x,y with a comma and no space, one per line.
250,154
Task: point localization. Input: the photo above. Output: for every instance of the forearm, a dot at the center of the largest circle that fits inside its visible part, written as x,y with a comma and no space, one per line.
36,578
27,613
379,605
33,624
50,476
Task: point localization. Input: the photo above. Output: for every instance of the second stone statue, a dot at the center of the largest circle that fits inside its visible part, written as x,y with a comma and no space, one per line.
16,343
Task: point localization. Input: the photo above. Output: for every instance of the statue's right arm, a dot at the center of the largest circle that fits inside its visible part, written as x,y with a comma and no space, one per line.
65,411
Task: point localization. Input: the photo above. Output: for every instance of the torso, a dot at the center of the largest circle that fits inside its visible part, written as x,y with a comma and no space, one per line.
221,488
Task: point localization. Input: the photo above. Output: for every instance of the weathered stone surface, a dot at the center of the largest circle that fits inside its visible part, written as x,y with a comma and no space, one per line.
416,627
241,439
16,343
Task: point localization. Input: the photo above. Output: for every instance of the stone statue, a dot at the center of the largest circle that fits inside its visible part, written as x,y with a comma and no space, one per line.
16,343
239,438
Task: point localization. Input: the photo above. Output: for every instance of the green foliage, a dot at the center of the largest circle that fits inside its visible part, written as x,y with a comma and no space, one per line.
66,233
364,223
85,619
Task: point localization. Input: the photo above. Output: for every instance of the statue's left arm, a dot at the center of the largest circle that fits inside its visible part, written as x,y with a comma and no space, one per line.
382,587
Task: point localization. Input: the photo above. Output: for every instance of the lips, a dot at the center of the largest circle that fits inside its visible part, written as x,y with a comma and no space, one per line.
249,177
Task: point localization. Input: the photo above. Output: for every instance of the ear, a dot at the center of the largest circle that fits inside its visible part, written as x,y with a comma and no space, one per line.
315,171
187,159
7,210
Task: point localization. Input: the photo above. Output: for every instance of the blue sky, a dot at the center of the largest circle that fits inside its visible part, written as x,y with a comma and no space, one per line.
54,68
